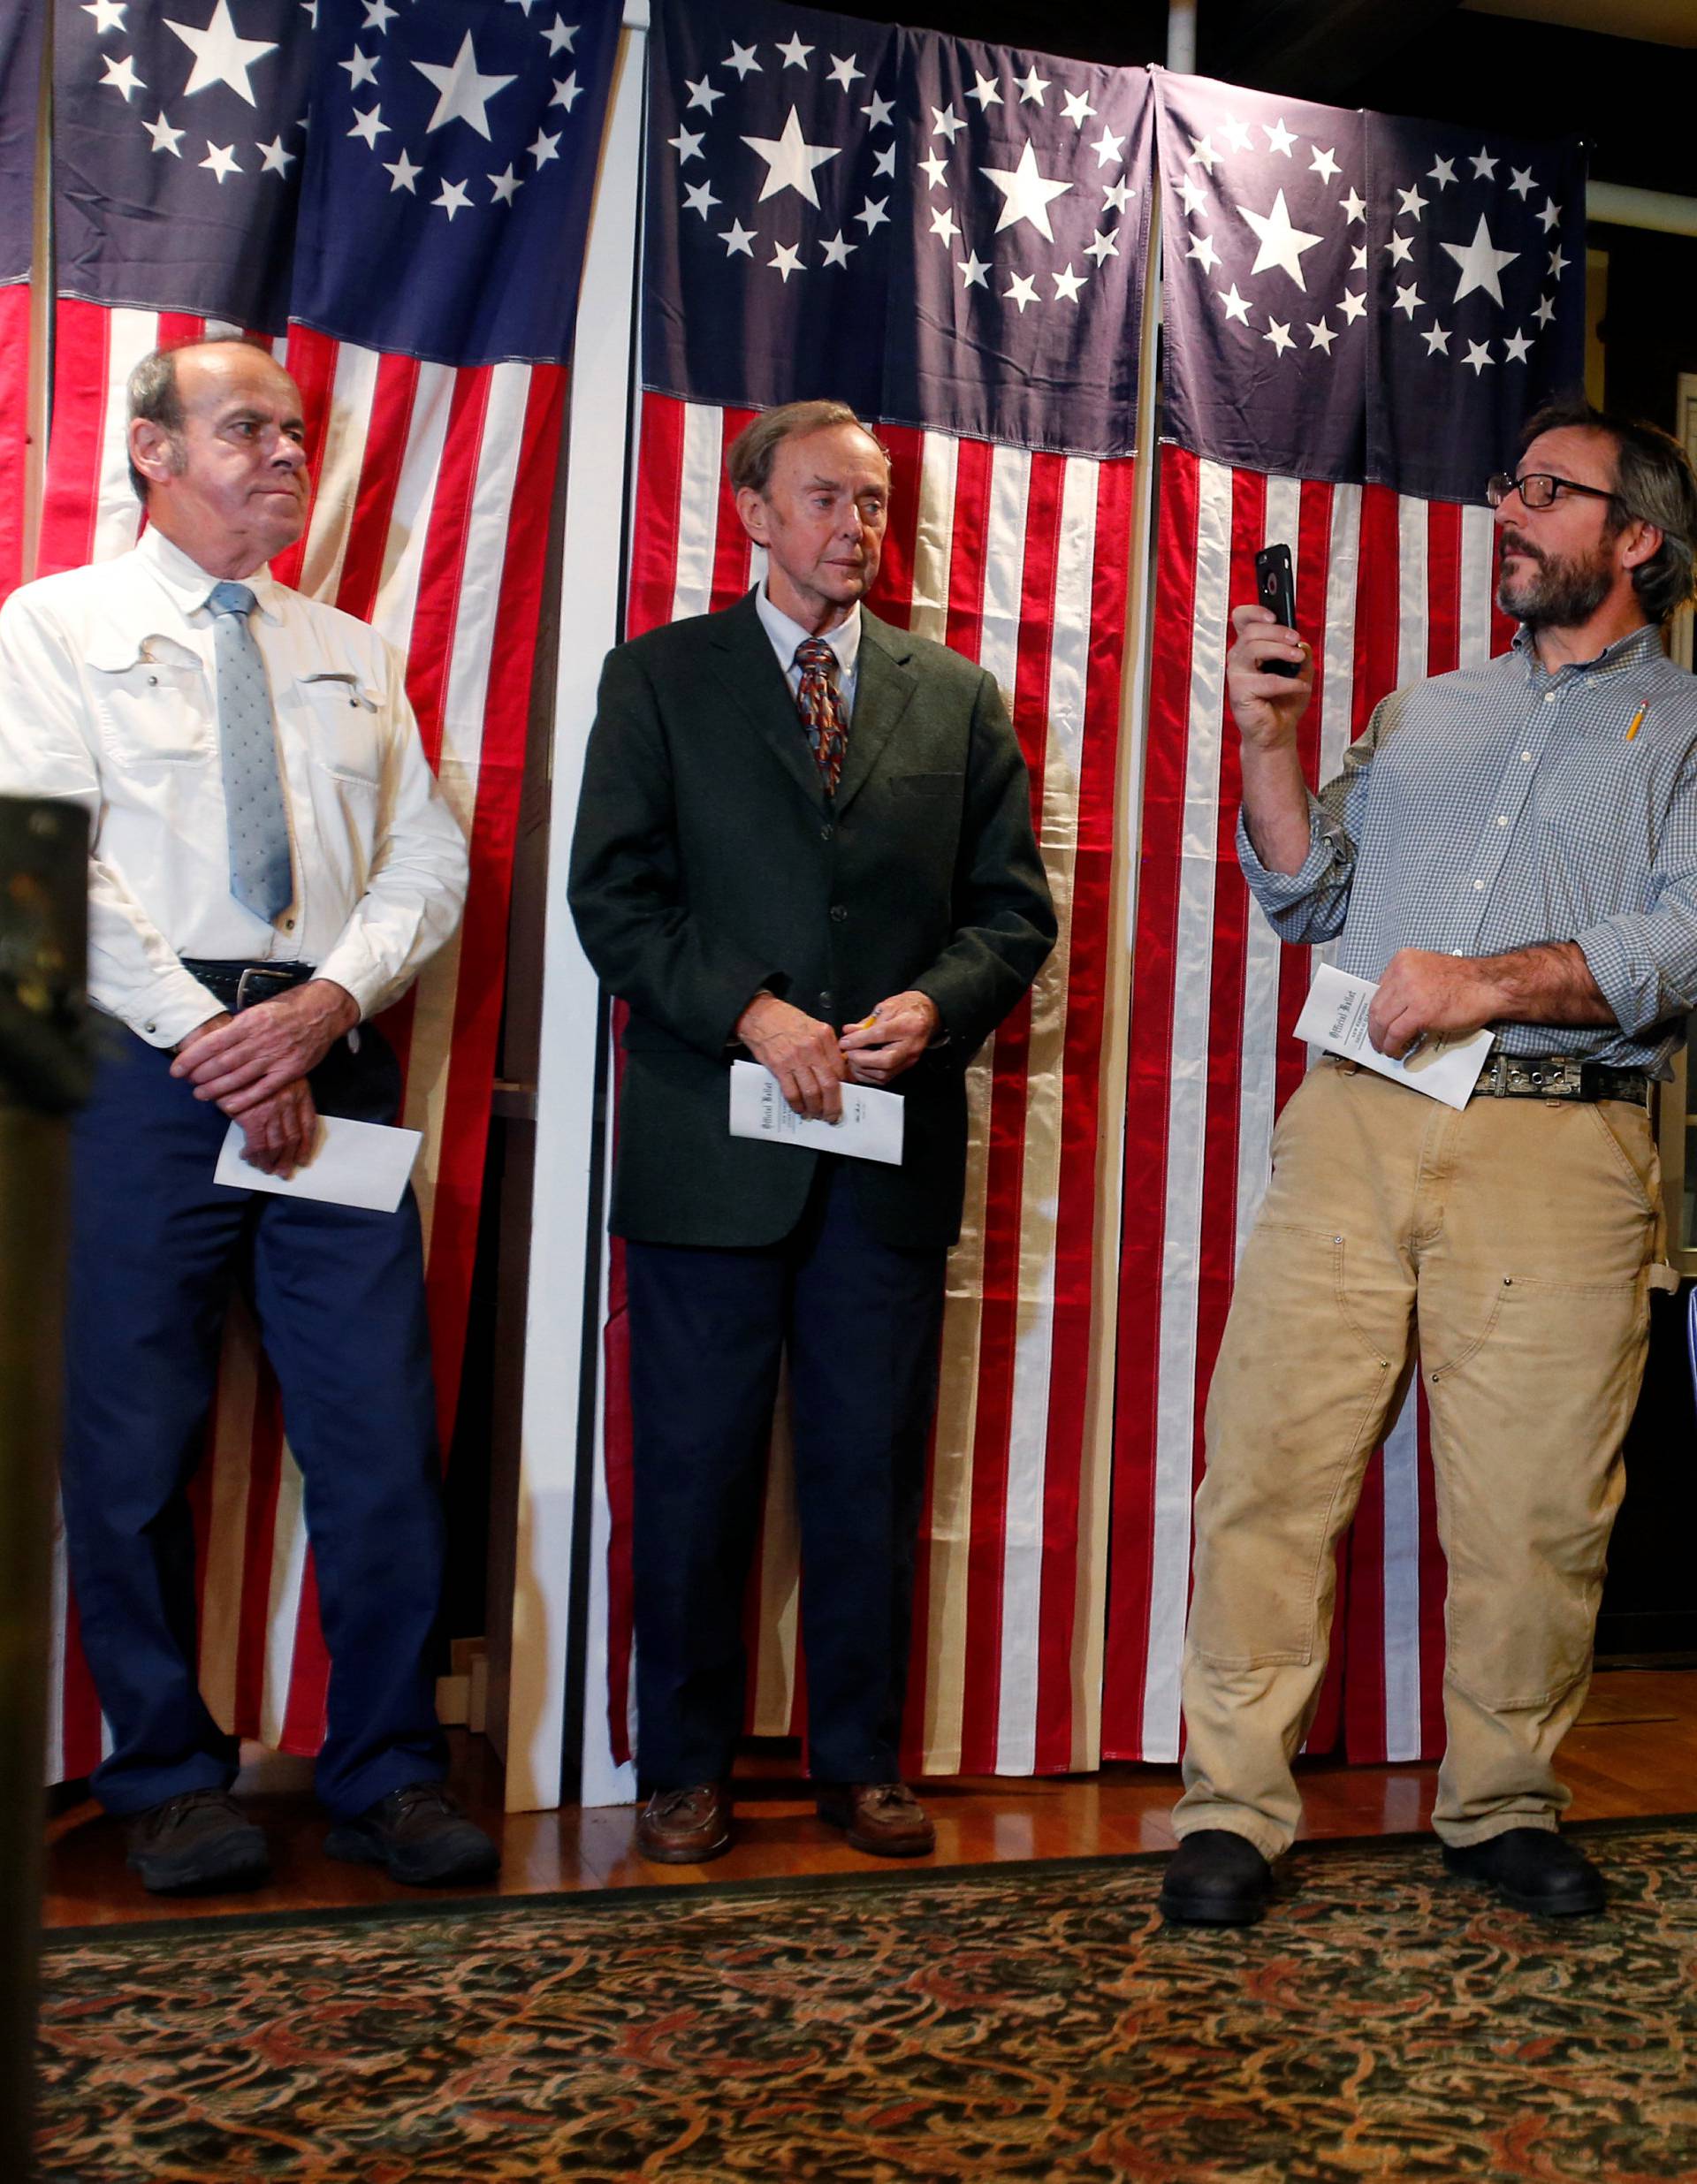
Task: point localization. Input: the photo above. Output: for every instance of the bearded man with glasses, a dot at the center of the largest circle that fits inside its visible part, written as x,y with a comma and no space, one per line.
1512,846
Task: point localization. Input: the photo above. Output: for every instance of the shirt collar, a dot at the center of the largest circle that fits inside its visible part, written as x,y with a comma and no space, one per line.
188,583
785,634
1638,648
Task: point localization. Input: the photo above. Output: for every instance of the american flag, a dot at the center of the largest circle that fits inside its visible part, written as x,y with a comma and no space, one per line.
398,198
1360,312
951,237
21,75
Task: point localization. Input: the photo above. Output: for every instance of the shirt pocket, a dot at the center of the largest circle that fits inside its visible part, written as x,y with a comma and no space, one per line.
339,714
155,709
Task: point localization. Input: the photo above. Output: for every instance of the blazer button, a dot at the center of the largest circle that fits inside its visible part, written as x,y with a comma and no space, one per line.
826,833
839,911
827,999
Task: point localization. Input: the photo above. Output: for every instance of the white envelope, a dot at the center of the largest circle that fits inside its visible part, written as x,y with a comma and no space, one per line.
1335,1016
352,1164
871,1129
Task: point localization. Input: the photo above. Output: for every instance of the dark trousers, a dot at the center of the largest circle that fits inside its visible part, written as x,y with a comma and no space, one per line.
156,1248
859,1320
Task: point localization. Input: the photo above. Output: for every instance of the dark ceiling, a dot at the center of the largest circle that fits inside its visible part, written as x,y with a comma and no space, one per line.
1634,104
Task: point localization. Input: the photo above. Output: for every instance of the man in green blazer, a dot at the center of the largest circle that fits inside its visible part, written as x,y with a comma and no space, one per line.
804,839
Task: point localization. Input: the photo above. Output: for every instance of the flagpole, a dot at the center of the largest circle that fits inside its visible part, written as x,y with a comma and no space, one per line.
43,860
1094,1514
1180,37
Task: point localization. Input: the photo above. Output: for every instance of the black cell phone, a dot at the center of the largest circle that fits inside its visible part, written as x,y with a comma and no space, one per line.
1275,587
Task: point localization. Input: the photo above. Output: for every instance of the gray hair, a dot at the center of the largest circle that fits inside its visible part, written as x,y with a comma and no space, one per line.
754,449
1654,483
152,392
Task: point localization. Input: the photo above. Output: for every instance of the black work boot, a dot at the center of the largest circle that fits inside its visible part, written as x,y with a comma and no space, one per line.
1533,1869
1215,1878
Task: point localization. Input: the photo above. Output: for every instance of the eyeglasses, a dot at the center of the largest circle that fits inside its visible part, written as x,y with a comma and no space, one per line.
1538,489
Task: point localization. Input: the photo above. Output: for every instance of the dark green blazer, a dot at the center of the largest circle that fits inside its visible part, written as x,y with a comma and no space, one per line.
707,864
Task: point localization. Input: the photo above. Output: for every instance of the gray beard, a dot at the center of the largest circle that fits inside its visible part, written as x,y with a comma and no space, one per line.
1557,595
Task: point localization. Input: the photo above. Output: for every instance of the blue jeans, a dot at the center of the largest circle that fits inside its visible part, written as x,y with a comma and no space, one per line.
156,1249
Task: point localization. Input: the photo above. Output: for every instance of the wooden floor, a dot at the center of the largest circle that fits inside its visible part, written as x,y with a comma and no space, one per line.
1633,1752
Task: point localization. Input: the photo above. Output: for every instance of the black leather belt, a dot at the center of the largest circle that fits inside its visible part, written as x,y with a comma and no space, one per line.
239,985
1558,1076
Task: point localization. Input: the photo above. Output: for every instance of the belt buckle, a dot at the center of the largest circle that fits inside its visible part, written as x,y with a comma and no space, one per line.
1495,1078
262,974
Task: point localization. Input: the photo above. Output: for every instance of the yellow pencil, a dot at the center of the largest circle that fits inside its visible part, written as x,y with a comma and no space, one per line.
1637,722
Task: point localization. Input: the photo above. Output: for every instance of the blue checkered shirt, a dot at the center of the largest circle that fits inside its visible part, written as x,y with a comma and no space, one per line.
1502,805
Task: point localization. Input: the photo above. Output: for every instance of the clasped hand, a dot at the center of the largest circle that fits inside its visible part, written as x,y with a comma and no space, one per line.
811,1062
255,1067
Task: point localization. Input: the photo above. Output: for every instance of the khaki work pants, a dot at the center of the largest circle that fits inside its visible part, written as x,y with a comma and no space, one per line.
1512,1242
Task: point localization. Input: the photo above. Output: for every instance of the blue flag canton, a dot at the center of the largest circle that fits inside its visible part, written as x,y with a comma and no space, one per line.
1480,251
20,78
456,140
1479,307
1268,276
1268,221
1029,237
940,232
179,131
773,194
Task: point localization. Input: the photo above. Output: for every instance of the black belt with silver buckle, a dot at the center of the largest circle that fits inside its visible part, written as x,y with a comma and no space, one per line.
239,985
1558,1076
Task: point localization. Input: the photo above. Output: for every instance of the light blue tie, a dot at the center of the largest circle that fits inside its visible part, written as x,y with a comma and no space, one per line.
259,879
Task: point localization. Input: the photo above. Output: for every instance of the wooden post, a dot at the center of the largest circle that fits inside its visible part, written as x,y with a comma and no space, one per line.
43,865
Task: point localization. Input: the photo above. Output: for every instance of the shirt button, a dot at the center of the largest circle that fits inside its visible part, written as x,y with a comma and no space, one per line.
1502,818
1524,756
288,924
1550,697
1479,883
150,1027
839,912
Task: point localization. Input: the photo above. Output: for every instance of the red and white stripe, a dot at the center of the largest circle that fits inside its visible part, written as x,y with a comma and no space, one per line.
1389,590
1018,560
422,476
15,450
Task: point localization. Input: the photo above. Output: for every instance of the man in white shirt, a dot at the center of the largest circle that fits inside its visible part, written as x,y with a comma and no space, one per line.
271,862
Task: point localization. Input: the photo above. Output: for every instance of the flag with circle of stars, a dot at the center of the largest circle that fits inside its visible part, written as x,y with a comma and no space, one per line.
178,127
1480,245
938,231
263,160
1351,296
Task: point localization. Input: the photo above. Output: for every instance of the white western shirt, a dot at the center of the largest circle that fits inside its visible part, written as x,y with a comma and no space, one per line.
106,699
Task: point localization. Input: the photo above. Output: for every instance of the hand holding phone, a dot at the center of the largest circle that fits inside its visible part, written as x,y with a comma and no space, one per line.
1276,589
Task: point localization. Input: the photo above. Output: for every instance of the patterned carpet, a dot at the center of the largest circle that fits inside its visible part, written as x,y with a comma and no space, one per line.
1017,2021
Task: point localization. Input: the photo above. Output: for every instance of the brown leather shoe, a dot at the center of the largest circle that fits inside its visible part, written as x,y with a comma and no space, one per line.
883,1817
686,1827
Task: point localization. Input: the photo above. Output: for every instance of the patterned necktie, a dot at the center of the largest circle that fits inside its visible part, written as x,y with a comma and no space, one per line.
821,709
259,879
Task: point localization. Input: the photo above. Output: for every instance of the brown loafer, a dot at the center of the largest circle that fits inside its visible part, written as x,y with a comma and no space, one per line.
883,1817
685,1827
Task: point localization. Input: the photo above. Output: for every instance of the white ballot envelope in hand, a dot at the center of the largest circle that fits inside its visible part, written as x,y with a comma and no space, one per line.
361,1164
871,1129
1335,1016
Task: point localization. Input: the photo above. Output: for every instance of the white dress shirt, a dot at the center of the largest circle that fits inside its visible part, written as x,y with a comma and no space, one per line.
107,698
785,634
